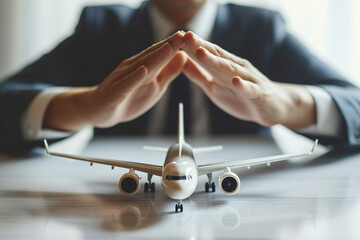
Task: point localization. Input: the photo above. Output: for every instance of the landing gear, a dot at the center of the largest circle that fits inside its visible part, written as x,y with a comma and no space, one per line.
152,187
179,206
149,184
210,184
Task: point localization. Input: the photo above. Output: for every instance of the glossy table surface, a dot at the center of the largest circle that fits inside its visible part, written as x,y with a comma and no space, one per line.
44,197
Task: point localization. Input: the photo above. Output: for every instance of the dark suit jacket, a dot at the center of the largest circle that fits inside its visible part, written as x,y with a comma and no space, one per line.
106,35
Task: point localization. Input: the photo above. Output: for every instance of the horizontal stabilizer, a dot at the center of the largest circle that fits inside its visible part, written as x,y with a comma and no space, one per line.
155,149
208,149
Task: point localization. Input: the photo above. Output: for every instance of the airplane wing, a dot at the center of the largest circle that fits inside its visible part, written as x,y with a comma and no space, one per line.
147,168
209,168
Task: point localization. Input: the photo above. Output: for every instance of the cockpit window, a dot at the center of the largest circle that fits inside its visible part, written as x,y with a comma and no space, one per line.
175,178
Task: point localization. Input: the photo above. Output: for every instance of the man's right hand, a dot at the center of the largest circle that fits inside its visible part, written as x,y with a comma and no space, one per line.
128,92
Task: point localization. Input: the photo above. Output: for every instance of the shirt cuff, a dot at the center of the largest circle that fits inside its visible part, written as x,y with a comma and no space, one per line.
328,117
33,117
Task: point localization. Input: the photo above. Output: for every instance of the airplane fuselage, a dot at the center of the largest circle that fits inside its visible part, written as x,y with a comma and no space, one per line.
179,177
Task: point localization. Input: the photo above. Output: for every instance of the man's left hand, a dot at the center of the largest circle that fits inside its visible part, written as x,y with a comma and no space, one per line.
242,91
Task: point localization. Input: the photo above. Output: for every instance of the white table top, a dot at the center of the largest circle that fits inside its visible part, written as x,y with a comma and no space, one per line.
44,197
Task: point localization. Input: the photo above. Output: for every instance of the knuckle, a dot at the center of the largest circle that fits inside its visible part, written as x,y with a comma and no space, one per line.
248,75
233,67
219,51
246,63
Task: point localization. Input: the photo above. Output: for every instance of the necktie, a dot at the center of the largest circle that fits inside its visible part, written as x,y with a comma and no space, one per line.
179,92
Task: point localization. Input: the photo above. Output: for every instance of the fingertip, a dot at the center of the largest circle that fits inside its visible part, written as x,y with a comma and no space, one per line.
189,34
192,34
142,71
190,38
201,53
246,87
176,40
237,81
182,56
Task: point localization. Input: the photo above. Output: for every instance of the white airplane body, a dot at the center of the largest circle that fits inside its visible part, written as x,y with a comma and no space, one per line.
180,172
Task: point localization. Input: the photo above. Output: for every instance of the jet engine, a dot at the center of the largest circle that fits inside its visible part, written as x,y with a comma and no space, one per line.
229,182
129,183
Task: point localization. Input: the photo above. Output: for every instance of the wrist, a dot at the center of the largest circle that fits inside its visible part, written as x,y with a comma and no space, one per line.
300,110
69,111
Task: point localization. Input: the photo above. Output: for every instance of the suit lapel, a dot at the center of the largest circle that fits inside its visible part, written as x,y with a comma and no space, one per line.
139,34
225,33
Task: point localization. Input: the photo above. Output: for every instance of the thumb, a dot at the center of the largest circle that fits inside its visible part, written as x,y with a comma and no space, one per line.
249,89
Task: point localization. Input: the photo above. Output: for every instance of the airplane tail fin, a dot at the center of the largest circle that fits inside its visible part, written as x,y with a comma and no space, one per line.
181,137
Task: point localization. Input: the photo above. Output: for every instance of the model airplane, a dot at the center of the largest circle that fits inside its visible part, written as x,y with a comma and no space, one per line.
180,172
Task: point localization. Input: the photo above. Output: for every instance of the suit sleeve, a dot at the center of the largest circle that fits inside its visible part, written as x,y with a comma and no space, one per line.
289,61
66,65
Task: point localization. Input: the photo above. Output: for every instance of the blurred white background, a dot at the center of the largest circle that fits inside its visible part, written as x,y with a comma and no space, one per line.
330,28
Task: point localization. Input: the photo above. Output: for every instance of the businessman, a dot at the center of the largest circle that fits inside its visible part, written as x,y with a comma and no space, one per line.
249,73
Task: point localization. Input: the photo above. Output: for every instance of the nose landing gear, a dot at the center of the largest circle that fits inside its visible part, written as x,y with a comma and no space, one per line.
179,206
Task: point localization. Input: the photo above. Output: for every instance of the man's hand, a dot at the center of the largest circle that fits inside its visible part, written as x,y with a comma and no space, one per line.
129,91
242,91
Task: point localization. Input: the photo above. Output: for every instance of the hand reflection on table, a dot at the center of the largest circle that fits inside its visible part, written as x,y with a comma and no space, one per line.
115,212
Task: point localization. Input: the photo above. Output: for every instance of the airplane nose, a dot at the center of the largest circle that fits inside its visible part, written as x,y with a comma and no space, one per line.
179,189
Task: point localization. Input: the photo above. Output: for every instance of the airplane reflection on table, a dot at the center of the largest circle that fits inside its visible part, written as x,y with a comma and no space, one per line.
120,214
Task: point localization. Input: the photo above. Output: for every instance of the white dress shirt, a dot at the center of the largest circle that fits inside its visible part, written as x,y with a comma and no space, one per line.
327,113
